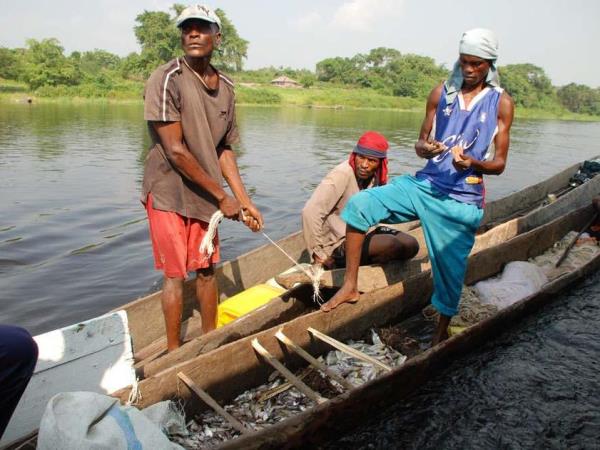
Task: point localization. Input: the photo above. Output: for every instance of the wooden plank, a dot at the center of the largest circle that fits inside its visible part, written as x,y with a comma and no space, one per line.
311,360
190,329
282,387
347,349
212,403
528,197
281,309
314,396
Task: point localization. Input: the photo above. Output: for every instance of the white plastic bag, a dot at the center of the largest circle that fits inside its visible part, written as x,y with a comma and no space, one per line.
519,279
86,420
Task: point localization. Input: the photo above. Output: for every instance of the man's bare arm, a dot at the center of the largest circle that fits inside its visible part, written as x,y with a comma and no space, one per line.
316,212
171,138
231,173
424,147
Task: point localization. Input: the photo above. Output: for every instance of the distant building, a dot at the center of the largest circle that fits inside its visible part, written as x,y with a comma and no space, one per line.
285,82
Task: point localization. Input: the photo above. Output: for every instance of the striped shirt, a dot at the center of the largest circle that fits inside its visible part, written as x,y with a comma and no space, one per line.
174,93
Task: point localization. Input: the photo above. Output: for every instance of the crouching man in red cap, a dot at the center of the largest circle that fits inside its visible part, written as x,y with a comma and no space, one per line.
324,230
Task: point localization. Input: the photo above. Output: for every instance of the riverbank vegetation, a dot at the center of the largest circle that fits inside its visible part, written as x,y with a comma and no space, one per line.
382,78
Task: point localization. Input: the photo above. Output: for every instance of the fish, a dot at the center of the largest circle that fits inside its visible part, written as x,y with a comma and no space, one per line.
256,409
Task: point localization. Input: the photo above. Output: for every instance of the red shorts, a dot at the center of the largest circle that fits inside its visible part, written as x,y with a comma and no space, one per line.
176,242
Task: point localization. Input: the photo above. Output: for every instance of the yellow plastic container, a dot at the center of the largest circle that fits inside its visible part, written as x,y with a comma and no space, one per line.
453,331
246,301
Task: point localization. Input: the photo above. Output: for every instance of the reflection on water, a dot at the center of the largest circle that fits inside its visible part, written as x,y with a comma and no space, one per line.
73,237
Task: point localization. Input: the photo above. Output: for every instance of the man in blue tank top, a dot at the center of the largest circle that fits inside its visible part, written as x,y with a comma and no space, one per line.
465,117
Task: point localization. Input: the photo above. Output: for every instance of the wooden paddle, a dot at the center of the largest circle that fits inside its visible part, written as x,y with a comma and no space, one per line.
572,243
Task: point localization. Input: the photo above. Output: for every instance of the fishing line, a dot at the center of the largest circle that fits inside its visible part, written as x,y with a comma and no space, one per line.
207,247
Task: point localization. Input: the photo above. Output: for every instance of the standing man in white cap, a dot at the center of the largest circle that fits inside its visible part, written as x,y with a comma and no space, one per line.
464,117
189,106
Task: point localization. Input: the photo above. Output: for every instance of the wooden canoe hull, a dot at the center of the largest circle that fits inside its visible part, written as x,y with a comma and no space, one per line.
146,323
346,410
229,370
145,314
295,302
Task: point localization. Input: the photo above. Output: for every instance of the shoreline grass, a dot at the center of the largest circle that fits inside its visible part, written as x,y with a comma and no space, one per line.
325,97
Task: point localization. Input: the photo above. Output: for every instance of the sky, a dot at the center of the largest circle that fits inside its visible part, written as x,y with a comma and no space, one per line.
559,36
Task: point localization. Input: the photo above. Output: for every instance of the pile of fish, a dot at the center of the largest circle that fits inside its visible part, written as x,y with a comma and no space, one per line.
266,404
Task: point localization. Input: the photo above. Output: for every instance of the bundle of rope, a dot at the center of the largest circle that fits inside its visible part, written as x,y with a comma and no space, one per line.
207,247
470,310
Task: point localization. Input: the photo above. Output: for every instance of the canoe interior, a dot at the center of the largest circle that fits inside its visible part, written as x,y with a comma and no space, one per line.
347,410
152,357
233,368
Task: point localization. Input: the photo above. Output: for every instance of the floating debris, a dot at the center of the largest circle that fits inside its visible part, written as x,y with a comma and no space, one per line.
265,405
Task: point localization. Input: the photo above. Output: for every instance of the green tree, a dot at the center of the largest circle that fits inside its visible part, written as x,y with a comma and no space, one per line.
96,60
415,75
131,67
46,65
386,70
528,85
580,98
156,33
339,70
382,56
160,41
233,50
11,63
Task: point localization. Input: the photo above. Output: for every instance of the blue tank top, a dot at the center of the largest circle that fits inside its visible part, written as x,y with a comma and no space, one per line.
473,128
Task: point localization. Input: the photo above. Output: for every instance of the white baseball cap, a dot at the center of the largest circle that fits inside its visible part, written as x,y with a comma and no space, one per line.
200,12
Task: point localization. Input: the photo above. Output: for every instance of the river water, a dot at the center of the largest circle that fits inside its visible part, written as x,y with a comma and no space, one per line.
73,234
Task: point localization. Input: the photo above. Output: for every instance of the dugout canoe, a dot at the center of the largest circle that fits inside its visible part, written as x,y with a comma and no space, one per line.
231,369
136,331
146,323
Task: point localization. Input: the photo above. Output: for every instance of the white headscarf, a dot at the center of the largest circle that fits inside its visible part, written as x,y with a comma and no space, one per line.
476,42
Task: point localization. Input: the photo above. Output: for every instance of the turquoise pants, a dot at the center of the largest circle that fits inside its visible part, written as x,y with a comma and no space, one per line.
449,227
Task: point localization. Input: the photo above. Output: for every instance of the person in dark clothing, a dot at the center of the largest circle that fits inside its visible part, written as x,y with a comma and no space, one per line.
18,356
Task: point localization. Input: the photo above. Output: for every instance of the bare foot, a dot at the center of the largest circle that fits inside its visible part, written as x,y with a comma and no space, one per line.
344,295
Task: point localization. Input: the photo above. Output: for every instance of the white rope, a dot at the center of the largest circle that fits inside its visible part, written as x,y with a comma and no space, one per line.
207,247
135,395
315,273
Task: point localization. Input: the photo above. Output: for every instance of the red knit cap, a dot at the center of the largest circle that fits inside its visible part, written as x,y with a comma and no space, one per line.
373,145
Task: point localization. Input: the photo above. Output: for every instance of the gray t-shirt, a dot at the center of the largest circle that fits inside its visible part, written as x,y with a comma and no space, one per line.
174,93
